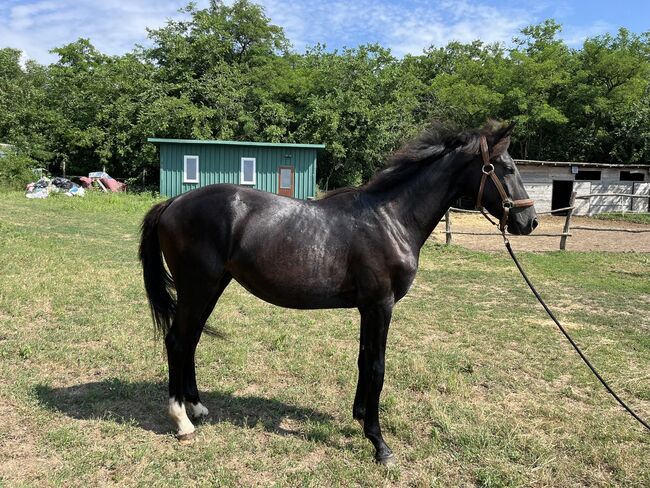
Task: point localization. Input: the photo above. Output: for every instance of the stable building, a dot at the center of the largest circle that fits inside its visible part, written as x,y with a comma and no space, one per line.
550,184
284,169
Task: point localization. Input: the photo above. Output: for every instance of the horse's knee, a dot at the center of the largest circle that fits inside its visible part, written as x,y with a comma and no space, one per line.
377,370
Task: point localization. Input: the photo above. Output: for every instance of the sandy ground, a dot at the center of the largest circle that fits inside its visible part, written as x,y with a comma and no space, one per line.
580,240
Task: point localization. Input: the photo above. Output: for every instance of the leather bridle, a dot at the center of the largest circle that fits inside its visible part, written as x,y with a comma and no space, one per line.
506,201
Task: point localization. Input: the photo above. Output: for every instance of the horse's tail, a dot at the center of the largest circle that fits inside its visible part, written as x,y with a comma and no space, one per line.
157,281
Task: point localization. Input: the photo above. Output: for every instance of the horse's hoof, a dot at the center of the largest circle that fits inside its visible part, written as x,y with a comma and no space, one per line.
186,439
387,461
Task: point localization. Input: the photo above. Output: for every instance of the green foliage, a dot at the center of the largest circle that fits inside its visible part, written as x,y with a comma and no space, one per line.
611,80
226,72
16,171
360,107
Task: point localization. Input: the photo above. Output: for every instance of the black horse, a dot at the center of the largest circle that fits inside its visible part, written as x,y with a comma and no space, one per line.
356,247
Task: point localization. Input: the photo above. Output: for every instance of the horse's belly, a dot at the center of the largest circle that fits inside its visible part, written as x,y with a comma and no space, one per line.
305,265
294,288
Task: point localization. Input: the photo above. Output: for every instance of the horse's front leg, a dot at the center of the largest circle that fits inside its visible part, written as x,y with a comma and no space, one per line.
359,407
375,320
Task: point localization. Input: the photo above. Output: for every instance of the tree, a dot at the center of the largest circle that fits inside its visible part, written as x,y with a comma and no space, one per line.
539,73
23,122
611,76
360,106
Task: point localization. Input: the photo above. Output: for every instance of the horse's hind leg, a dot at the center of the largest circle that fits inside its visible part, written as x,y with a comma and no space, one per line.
177,347
193,403
191,310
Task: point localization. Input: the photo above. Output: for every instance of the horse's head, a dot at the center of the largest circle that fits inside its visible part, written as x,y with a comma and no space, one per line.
492,178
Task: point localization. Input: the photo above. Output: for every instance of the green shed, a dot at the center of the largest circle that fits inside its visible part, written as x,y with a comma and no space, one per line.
285,169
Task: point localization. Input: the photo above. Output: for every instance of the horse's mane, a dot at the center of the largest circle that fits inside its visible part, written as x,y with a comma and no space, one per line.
431,145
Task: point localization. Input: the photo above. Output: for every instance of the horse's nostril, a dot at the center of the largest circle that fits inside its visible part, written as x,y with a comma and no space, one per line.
535,223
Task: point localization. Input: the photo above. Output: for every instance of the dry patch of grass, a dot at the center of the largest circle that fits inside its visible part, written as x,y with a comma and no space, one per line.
480,388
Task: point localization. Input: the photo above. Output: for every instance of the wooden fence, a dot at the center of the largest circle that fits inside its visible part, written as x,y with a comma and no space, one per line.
566,230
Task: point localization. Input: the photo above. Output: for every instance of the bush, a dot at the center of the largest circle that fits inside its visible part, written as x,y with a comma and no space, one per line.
136,185
16,171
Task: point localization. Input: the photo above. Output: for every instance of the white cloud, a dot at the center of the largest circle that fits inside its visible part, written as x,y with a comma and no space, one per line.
22,16
575,36
113,26
406,26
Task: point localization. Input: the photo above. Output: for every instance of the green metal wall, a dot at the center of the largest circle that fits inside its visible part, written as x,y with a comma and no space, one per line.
221,163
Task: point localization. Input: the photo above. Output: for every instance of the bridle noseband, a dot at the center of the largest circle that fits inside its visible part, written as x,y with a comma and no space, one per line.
506,201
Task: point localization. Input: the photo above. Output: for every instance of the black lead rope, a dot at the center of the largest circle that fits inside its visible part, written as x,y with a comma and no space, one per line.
566,334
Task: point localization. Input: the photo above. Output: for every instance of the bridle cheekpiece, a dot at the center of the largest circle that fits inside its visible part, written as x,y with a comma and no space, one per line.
506,201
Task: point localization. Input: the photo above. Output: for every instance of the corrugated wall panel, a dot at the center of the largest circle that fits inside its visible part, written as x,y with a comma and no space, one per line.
641,204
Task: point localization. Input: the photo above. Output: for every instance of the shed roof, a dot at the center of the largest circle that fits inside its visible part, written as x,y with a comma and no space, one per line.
533,162
157,140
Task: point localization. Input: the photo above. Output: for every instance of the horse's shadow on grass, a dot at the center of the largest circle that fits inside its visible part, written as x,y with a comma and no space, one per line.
144,404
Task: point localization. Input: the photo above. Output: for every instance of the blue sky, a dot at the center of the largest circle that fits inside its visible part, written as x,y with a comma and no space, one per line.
406,26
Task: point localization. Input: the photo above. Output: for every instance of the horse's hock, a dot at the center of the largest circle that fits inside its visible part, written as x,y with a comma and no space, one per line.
580,239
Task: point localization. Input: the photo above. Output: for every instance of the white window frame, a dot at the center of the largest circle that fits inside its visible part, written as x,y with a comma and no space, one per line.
241,172
185,178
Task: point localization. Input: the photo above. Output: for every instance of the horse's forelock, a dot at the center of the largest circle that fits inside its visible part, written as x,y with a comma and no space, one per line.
472,144
471,140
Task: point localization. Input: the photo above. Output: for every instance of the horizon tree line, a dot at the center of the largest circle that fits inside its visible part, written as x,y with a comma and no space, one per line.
226,72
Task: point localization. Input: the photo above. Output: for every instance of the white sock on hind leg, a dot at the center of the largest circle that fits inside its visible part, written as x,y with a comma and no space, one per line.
179,416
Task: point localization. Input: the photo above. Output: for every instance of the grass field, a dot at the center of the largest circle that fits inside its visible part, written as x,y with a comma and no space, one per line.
639,218
481,390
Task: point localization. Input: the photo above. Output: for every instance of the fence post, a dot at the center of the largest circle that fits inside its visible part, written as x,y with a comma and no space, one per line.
567,222
448,227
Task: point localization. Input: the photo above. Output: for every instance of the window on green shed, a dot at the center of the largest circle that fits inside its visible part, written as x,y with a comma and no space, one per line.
247,176
190,169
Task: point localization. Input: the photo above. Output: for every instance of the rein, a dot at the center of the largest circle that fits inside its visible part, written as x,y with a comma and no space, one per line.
502,228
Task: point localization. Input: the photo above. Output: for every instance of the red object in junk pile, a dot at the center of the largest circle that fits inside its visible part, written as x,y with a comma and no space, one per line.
86,182
113,184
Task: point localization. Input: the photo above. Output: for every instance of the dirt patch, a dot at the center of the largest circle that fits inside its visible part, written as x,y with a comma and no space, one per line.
580,240
21,459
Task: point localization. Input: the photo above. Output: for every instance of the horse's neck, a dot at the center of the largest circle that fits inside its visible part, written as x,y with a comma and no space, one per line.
421,202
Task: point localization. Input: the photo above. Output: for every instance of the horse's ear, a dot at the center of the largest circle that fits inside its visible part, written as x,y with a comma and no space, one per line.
502,140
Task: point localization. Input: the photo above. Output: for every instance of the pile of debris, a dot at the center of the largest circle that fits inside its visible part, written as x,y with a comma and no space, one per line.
99,180
103,181
43,187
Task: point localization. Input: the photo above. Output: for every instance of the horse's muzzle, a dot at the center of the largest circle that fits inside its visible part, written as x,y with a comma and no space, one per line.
516,228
